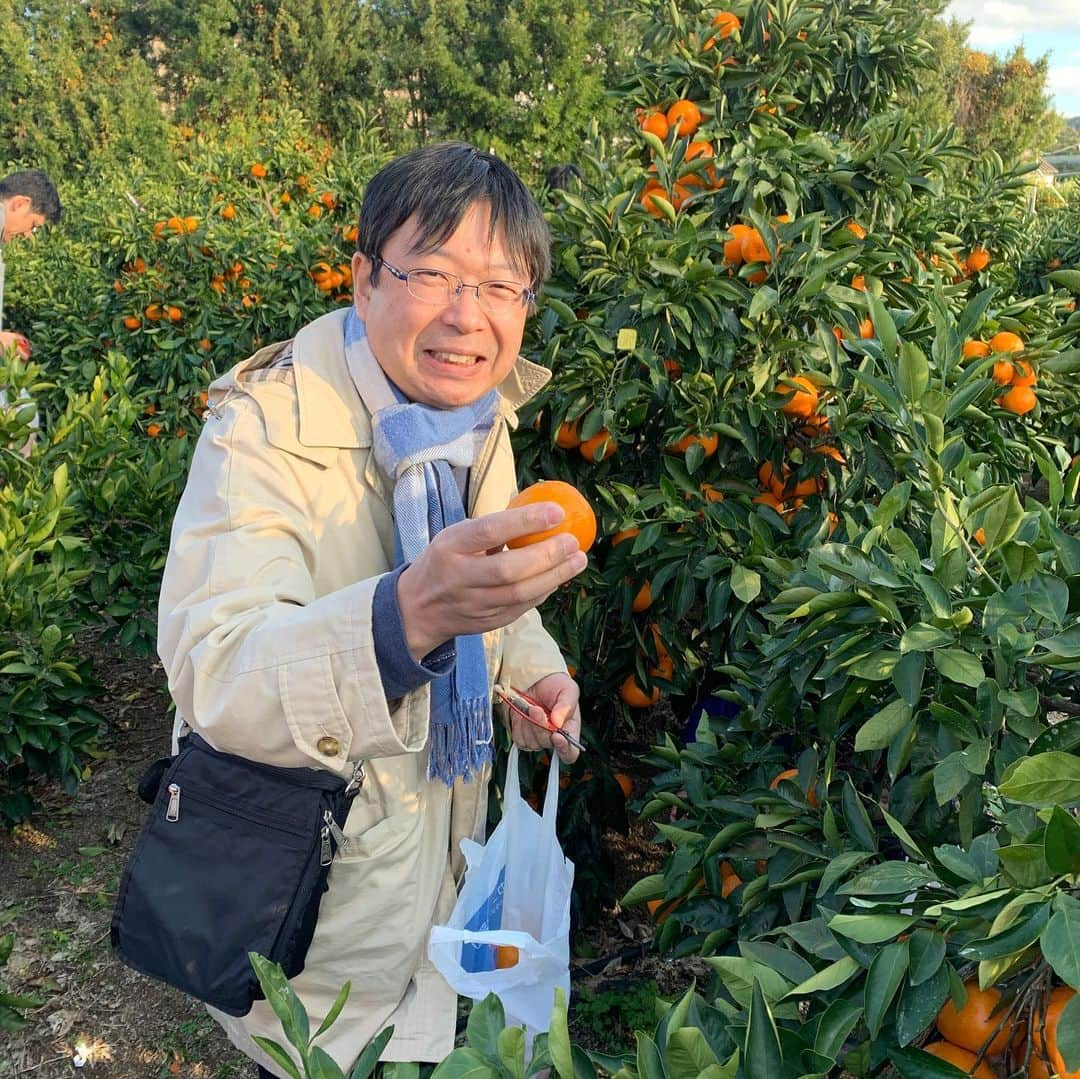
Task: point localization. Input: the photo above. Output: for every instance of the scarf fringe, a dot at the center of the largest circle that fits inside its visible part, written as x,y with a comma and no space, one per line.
449,754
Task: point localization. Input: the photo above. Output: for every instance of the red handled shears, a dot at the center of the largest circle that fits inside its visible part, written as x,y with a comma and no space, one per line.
520,703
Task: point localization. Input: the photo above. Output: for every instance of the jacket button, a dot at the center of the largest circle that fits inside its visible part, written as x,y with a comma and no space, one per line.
328,747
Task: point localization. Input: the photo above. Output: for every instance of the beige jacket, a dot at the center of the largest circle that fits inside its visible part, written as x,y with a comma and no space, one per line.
265,632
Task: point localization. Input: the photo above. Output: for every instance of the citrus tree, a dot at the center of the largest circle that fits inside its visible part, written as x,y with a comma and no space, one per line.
832,450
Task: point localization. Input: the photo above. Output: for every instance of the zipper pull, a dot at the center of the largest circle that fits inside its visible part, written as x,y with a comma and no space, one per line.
357,780
327,855
173,812
340,838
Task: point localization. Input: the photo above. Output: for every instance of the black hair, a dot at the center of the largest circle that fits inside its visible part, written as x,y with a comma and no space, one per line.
38,188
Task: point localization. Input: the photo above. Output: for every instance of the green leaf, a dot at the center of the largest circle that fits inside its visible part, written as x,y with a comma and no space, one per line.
765,299
688,1053
335,1009
922,637
486,1020
882,727
1069,279
510,1047
840,866
320,1065
762,1058
870,928
1045,780
914,372
890,878
927,950
278,1055
1061,842
365,1063
1025,863
650,1065
464,1063
1061,941
745,583
915,1064
839,1020
559,1037
961,666
830,977
285,1003
1015,938
651,887
883,981
1068,1034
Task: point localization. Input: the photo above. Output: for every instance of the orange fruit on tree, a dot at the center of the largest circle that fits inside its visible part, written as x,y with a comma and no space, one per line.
173,314
684,116
978,259
665,665
656,123
856,229
132,322
579,520
1006,341
979,536
625,534
648,198
191,224
633,695
767,498
964,1060
726,23
153,312
803,401
258,170
708,443
1002,372
1023,374
314,210
588,449
866,329
643,599
1059,997
973,1024
753,248
805,488
975,350
176,224
711,493
568,437
733,247
506,956
769,480
626,784
858,282
793,775
154,429
729,879
1019,400
228,211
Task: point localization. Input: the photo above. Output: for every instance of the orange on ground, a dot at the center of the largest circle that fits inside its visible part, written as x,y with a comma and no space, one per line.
506,956
866,329
567,437
1023,374
973,1024
580,521
978,259
643,599
753,248
793,775
589,447
625,534
626,784
963,1059
1020,400
708,443
1059,997
684,116
803,401
733,247
975,350
633,695
656,124
1006,341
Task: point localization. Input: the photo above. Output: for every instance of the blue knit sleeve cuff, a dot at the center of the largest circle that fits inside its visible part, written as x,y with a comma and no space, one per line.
399,672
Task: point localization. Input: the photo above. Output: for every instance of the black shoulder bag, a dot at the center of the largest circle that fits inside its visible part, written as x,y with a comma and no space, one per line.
233,858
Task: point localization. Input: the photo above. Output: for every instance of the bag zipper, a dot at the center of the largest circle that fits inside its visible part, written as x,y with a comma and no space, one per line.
172,814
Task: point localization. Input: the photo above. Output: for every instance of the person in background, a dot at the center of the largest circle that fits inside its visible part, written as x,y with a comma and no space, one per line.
28,201
338,588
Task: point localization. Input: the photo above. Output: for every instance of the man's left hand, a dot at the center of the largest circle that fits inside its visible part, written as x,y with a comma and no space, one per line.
558,695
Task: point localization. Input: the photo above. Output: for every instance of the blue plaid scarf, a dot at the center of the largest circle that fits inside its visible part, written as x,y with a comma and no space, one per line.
416,446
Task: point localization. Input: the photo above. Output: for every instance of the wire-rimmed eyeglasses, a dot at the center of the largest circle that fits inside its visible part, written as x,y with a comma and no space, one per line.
443,288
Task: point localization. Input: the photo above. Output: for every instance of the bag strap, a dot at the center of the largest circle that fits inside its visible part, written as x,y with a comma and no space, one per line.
512,788
551,797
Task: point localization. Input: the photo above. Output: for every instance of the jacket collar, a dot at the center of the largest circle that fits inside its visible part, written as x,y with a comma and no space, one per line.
330,412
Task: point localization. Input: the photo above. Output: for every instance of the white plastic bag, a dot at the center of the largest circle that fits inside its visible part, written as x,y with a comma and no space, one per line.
516,892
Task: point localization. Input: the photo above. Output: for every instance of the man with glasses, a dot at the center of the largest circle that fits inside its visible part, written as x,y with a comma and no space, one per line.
338,587
28,201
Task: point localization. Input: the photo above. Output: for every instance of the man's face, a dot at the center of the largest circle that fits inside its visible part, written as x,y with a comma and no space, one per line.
442,355
20,218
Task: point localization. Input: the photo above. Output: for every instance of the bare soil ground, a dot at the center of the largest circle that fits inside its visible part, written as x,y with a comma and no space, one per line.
58,880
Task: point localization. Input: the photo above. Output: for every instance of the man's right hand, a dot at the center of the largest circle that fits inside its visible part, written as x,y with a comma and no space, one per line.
464,582
7,339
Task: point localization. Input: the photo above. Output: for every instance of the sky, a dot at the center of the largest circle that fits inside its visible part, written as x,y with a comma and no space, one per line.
1041,26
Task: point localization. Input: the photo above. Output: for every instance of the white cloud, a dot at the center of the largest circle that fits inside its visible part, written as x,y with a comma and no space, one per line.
997,23
1064,81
